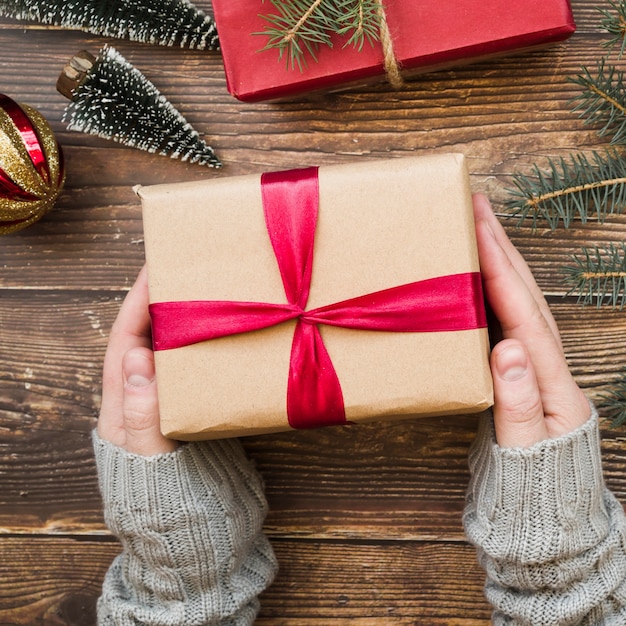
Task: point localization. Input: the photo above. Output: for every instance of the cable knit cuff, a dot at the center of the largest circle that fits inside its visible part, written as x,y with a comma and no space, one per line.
550,536
191,523
536,504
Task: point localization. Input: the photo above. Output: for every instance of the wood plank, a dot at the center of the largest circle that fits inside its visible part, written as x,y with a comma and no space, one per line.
51,582
388,582
101,248
549,252
406,477
366,521
499,118
56,581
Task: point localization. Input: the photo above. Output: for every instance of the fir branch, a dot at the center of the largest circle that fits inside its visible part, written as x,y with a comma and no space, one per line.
603,100
576,188
614,402
360,20
300,27
599,275
166,22
615,24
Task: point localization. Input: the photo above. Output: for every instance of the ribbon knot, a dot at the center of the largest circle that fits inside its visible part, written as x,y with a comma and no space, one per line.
314,396
307,319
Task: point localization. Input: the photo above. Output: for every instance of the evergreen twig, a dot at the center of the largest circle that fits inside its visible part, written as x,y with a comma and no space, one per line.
614,402
574,188
300,27
599,275
602,100
616,25
581,187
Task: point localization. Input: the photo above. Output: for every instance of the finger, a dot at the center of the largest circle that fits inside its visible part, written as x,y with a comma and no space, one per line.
141,406
525,318
484,212
518,411
515,307
131,329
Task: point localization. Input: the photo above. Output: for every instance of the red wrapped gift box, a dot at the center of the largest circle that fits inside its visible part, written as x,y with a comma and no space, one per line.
426,36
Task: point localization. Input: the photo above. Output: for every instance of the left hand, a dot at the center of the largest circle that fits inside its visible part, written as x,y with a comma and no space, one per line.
129,415
536,397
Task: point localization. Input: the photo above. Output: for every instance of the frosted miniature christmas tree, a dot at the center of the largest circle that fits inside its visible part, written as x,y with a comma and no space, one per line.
163,22
111,98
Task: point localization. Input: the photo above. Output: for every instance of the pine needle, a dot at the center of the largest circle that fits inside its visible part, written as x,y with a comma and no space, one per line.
616,25
599,275
614,402
584,188
577,188
360,20
300,27
603,100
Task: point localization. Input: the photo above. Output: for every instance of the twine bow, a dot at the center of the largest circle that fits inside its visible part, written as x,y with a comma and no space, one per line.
286,35
392,66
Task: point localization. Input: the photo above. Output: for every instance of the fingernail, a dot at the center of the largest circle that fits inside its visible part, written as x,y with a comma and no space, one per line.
138,371
512,363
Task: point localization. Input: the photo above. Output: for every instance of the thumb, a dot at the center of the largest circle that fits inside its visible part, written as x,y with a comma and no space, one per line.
141,407
518,411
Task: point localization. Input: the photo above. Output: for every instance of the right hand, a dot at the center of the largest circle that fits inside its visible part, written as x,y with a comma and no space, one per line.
536,397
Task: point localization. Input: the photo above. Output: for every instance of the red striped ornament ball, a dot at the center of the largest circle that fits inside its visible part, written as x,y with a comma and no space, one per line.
31,166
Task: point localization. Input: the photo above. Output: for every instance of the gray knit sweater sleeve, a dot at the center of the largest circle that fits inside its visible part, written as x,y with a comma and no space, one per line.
190,524
549,534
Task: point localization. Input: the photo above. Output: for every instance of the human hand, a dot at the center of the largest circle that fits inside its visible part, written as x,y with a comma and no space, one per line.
536,397
129,415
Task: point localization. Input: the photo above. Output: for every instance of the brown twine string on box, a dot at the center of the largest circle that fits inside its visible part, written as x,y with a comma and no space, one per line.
392,67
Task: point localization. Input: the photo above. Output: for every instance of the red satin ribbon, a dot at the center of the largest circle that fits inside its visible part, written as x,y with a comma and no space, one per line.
314,397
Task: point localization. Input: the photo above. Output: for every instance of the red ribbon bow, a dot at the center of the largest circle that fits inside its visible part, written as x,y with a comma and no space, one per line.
314,397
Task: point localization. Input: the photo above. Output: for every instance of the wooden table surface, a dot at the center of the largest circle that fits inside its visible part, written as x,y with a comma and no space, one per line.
366,521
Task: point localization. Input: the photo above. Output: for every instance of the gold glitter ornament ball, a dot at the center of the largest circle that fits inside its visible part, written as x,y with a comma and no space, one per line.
31,166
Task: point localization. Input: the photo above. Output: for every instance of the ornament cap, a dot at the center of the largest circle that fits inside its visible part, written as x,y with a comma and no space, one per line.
74,73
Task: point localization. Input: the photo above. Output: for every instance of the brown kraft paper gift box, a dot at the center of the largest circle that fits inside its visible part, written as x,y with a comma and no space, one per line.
380,224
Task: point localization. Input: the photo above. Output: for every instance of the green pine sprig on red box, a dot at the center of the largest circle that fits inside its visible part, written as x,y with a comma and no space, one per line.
298,28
